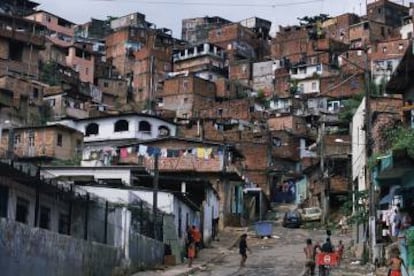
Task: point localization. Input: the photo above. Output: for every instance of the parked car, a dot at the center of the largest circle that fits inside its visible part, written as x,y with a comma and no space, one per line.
311,214
292,219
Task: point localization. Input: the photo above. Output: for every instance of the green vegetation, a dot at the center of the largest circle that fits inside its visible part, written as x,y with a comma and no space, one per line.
401,138
361,210
350,107
48,74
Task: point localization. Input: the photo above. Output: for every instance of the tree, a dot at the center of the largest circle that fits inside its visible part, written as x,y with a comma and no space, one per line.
49,74
349,107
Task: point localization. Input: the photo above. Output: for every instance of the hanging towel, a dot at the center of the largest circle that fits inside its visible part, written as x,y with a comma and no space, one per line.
129,149
124,152
164,152
142,150
201,152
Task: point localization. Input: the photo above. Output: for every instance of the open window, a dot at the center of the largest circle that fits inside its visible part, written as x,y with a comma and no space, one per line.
92,129
144,126
121,125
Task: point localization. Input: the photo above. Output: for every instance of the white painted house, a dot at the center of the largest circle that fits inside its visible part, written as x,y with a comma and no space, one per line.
124,126
358,148
103,134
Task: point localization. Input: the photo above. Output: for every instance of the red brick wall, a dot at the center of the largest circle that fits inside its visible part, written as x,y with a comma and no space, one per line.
237,109
292,123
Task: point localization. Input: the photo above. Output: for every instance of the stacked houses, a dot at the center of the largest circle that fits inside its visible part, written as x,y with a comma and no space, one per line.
130,135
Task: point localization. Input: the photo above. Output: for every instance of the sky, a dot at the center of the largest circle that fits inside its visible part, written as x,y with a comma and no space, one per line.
169,13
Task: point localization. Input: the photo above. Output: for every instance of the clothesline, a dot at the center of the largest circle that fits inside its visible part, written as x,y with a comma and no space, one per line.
144,150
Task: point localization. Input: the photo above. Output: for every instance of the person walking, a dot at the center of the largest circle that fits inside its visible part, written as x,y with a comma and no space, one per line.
243,249
310,257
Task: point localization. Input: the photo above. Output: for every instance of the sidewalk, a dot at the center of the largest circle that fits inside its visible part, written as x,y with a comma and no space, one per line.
226,240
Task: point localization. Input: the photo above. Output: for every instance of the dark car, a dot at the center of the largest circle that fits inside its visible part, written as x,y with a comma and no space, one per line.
292,219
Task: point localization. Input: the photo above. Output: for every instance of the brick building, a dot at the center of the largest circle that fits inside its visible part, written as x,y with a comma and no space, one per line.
44,143
195,30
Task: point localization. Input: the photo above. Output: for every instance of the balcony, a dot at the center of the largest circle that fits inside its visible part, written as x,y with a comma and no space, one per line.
23,30
76,113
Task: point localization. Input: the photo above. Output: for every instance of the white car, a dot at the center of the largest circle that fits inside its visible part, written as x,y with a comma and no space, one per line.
311,214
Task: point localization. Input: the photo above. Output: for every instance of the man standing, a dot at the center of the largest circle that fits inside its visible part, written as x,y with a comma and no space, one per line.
310,257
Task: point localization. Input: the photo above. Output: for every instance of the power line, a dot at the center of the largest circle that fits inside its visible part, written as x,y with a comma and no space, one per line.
221,4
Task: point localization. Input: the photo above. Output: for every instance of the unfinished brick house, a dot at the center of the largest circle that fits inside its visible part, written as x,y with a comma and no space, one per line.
59,30
185,94
22,98
66,103
140,53
41,143
21,40
195,30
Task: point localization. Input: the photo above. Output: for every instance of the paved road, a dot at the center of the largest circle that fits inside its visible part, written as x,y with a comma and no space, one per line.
276,256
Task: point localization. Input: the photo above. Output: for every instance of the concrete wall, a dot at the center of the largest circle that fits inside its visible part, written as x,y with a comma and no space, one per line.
145,252
32,251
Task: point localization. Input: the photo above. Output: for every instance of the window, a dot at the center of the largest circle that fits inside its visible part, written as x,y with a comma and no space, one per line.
4,201
144,126
63,225
276,142
121,125
78,146
384,49
185,100
44,221
22,210
314,86
163,131
334,105
31,139
301,88
86,71
35,92
16,51
52,102
105,84
59,141
92,129
185,85
17,139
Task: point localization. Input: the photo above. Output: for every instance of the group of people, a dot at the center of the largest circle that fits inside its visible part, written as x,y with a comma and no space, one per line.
311,250
193,243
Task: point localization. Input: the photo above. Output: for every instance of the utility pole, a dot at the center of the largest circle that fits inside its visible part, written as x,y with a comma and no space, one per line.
155,195
324,191
371,189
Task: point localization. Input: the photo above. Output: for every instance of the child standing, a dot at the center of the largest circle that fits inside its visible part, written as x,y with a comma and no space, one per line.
243,249
191,253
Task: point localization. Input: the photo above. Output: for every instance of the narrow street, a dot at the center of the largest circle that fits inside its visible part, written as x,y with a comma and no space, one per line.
280,255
